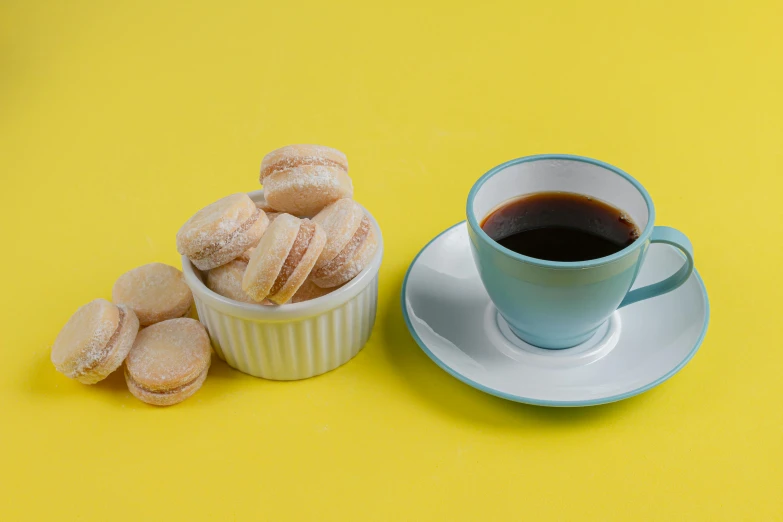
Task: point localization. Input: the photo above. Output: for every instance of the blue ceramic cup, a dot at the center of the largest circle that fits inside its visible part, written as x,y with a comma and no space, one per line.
555,304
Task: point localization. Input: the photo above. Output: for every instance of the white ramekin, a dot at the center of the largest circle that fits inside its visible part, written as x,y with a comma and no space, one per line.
293,341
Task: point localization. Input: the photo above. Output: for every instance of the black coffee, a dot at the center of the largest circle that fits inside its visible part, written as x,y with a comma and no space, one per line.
560,226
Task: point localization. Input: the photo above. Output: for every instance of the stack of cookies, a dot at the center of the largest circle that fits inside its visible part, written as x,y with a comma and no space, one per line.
305,239
166,353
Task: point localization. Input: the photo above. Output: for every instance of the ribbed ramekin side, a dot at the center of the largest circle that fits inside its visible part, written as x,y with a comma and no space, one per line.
294,349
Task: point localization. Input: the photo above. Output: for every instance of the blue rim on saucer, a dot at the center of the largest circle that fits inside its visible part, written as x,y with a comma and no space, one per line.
531,400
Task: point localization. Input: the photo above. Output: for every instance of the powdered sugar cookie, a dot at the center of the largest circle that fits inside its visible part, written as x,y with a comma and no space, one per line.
309,291
168,362
226,280
94,341
221,231
283,259
303,179
350,246
245,256
261,204
340,220
299,155
155,292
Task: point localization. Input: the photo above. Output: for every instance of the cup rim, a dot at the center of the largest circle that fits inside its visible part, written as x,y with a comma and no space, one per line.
290,311
643,237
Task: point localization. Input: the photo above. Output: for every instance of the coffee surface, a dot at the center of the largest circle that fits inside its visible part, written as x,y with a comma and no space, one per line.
560,226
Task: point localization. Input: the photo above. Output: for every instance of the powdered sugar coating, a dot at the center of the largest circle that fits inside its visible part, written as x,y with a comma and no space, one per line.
168,355
247,236
118,348
155,292
268,257
168,397
298,249
244,256
351,261
300,260
305,190
347,253
340,220
214,224
362,258
302,154
81,344
226,280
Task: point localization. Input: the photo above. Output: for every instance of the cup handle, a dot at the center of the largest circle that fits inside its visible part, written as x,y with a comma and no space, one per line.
677,239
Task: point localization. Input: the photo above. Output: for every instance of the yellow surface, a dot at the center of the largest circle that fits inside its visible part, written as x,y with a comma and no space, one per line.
117,122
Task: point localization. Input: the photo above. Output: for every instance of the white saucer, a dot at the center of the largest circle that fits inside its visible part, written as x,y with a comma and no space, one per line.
450,315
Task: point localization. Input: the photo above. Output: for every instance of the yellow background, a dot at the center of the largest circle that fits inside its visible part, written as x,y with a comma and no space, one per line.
117,122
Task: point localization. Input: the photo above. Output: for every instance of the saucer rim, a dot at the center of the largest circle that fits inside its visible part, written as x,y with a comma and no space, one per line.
545,402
